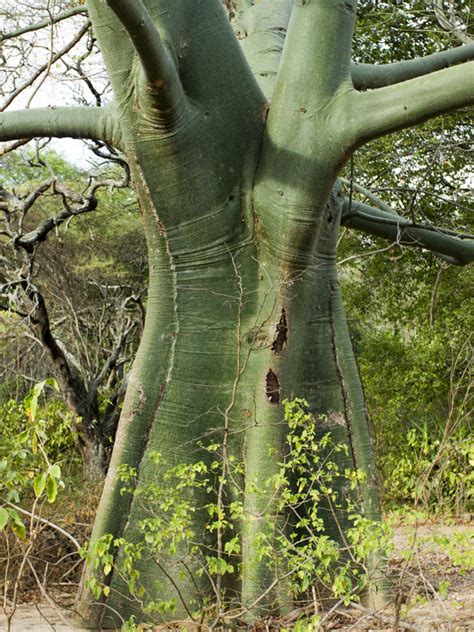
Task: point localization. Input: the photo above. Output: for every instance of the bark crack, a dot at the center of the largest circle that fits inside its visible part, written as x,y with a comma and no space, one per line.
272,387
281,338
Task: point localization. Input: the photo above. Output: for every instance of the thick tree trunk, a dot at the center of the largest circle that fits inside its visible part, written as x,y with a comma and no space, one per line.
244,306
230,332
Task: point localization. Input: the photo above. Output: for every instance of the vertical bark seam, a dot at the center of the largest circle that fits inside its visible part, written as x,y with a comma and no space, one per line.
340,377
176,319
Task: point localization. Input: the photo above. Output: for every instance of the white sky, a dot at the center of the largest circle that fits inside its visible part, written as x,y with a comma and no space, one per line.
57,89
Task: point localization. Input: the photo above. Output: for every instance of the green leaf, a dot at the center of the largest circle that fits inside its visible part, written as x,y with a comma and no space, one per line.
51,489
39,484
31,400
19,530
55,471
3,518
17,525
23,436
232,546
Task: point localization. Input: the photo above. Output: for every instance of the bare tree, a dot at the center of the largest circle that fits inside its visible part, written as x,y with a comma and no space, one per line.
94,359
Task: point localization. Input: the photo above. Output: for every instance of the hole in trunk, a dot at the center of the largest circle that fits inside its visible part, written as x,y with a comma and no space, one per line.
281,333
272,387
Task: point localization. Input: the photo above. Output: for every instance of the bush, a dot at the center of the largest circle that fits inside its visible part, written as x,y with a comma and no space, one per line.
35,441
52,420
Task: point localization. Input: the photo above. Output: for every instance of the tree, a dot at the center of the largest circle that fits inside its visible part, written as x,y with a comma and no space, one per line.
236,122
83,316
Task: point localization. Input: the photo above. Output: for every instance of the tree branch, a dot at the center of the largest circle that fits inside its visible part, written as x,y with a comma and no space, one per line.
47,523
59,122
452,24
386,110
28,82
114,355
370,76
39,234
12,146
455,248
157,64
72,385
261,30
367,193
316,60
44,23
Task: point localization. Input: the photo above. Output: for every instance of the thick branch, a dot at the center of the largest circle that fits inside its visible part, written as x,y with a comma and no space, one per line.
157,64
385,110
59,122
72,386
12,146
30,240
261,29
317,55
44,23
458,250
370,76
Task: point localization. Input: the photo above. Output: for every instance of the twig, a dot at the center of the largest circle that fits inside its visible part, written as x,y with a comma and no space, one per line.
47,523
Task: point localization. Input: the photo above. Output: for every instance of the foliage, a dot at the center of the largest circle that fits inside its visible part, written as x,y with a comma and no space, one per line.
26,468
308,561
410,316
434,471
392,25
418,387
55,420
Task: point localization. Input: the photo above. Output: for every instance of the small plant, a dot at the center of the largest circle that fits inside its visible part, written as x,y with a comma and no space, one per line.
27,473
308,555
25,466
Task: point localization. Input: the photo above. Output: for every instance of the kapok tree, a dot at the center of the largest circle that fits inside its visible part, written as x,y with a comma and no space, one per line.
236,121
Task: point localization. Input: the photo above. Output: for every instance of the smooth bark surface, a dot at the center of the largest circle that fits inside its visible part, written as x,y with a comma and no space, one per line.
61,122
456,248
370,76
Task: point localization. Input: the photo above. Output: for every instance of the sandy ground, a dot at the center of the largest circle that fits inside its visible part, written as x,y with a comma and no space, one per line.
37,618
435,593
